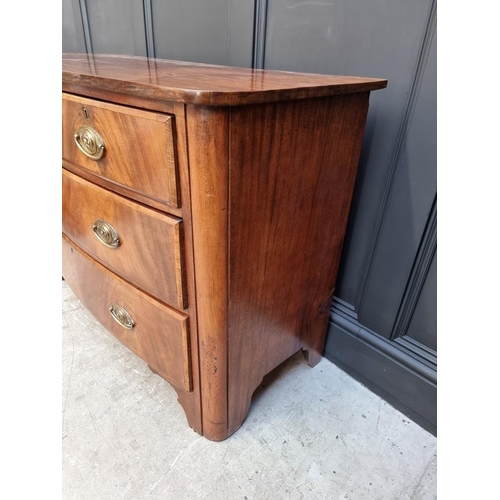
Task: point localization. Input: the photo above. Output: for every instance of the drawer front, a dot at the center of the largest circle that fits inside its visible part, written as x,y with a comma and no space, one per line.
158,335
138,150
141,245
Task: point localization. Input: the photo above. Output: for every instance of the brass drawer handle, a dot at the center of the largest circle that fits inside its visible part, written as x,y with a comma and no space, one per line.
89,142
121,316
106,233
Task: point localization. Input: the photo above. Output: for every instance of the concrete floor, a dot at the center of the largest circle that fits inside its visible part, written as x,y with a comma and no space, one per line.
312,433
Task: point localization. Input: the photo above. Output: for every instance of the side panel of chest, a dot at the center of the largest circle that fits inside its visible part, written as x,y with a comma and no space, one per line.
292,172
271,186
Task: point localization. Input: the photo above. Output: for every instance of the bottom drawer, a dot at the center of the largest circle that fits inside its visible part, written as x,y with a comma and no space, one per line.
155,333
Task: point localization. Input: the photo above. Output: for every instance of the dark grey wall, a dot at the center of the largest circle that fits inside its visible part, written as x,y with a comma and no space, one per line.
73,39
383,321
213,31
383,326
117,26
218,31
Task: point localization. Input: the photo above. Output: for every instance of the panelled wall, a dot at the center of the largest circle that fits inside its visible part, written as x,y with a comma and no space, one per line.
383,320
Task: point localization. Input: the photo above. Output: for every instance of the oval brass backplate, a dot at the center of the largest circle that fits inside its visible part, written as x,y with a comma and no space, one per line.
121,316
89,142
106,233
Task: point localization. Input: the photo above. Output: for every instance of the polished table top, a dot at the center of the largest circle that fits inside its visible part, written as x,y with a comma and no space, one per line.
203,84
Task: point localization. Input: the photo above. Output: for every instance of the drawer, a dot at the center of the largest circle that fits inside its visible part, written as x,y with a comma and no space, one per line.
138,152
158,334
147,249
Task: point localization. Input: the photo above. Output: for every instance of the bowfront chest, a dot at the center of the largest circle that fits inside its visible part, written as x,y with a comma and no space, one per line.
204,210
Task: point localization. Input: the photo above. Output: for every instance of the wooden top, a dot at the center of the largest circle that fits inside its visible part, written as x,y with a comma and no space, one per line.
203,84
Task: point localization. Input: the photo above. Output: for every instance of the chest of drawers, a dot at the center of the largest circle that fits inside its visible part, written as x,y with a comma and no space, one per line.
204,210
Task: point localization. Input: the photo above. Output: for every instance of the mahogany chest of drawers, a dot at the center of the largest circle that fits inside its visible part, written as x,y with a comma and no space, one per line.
204,210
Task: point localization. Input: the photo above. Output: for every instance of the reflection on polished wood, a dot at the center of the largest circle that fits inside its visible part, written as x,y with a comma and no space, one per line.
202,84
230,192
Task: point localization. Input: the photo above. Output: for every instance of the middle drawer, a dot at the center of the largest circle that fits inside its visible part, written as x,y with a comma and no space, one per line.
141,245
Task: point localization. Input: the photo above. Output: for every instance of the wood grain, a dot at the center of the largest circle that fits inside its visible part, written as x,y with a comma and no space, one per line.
149,254
201,84
160,334
208,147
190,401
139,151
259,166
119,189
292,173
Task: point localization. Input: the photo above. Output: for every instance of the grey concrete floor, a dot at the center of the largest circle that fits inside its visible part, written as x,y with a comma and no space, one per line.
311,433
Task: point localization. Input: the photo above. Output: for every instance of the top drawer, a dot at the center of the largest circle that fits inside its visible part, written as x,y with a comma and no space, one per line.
138,152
